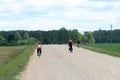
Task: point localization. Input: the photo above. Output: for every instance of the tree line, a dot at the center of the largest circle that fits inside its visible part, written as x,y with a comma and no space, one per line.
61,36
107,36
9,38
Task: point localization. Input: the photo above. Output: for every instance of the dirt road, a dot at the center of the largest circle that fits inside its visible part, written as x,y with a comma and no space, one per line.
57,63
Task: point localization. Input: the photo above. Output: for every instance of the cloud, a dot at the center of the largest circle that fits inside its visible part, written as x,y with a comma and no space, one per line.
53,14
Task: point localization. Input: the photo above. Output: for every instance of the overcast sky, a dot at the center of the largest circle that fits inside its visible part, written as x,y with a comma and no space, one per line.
84,15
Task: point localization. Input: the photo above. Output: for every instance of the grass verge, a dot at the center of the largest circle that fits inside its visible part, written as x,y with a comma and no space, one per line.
8,52
12,68
105,48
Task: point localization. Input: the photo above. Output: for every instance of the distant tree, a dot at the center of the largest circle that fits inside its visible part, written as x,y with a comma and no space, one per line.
17,36
10,37
2,38
90,37
75,35
116,36
46,40
26,36
63,35
39,35
84,39
53,36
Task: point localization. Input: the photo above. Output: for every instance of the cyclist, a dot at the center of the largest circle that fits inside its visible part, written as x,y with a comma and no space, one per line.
70,45
39,49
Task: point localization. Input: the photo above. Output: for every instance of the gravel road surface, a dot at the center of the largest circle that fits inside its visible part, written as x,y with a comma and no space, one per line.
57,63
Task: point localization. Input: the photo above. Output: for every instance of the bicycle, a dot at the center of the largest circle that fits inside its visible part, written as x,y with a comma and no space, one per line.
39,53
70,48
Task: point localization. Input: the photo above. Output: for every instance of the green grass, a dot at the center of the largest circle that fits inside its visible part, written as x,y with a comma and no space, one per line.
6,53
106,48
16,64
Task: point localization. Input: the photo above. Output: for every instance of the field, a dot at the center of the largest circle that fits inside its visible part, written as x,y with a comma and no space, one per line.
6,53
13,60
107,48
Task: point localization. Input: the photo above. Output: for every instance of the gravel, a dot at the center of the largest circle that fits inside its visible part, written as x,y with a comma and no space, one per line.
57,63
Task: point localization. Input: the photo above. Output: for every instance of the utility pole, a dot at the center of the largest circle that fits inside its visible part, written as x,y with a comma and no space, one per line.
111,33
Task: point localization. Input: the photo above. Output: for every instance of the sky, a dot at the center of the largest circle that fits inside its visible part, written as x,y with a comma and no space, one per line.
84,15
